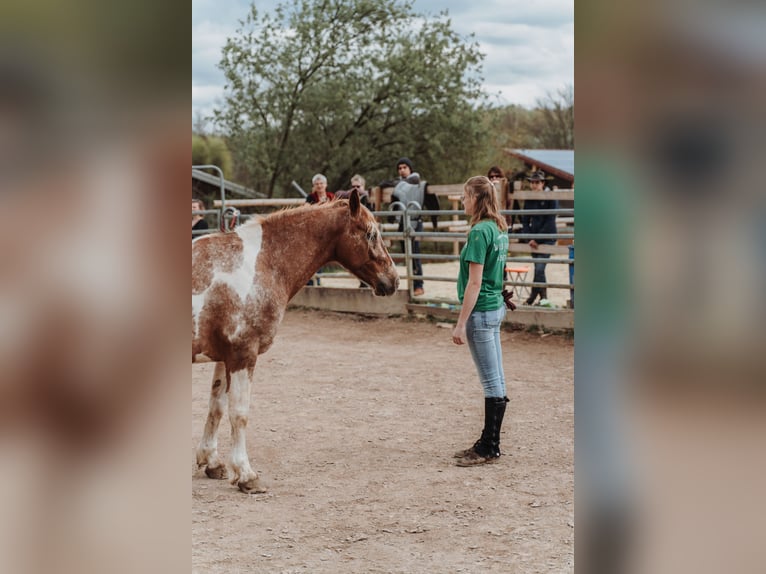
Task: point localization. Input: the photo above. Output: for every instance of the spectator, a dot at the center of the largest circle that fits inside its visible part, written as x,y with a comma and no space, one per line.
495,173
357,183
543,224
479,288
409,187
198,220
319,193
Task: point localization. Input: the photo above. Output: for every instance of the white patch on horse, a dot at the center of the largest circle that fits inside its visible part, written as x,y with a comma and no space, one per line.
241,279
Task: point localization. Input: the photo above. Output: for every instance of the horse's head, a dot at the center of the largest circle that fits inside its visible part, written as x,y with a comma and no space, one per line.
360,249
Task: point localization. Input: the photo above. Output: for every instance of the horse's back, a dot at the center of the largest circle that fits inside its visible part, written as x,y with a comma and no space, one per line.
224,320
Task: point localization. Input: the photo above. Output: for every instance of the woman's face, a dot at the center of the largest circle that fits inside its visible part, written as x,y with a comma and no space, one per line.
468,203
319,186
196,206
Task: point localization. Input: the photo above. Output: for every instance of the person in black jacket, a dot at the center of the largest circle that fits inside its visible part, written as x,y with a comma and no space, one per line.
198,221
543,224
409,187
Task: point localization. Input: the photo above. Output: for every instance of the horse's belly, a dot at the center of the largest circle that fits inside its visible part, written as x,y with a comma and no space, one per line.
221,334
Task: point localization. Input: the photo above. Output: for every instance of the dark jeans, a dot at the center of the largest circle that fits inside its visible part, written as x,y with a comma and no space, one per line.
540,267
417,266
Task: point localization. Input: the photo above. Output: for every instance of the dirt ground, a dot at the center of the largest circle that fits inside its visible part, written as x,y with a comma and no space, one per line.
353,423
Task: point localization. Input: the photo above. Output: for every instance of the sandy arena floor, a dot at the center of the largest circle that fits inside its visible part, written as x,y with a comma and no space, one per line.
352,429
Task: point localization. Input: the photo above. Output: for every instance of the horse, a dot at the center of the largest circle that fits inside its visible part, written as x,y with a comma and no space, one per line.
241,284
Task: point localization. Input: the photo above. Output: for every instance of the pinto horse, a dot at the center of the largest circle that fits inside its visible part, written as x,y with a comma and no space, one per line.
241,284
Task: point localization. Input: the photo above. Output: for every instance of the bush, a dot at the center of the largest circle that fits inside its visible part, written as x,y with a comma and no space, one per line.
212,151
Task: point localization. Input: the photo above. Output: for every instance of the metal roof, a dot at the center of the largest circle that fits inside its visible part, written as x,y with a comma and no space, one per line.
229,186
558,162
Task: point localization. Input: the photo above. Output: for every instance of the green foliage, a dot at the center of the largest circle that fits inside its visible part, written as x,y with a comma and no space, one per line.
349,86
200,150
220,155
212,151
556,119
550,125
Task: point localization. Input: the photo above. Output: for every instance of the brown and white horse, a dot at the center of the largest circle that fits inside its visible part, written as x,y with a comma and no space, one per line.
241,284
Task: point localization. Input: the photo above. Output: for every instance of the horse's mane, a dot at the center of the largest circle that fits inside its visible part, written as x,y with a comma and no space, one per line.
289,211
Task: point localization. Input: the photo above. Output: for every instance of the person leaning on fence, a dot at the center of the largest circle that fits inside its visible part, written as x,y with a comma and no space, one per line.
198,220
410,187
480,290
495,173
319,193
543,224
357,183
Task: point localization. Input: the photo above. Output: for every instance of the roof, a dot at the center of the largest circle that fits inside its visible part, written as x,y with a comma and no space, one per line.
229,186
558,162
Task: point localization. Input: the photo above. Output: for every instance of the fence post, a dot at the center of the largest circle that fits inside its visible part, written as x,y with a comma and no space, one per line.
571,277
408,245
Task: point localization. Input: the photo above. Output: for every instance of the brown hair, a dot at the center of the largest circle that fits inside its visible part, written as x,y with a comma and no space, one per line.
494,170
485,207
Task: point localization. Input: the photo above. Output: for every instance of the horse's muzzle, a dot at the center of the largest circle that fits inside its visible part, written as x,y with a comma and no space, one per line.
385,287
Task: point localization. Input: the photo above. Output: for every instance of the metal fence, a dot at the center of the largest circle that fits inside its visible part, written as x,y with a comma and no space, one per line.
408,235
227,215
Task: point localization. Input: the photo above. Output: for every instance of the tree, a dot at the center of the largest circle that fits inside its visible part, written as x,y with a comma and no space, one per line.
346,86
556,119
507,127
211,150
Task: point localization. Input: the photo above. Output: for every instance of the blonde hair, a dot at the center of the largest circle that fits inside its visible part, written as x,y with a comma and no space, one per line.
485,201
358,178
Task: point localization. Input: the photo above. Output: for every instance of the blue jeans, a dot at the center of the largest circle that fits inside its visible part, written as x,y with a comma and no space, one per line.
483,334
540,267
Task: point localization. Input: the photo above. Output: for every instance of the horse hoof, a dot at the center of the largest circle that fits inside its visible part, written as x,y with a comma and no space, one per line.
217,473
251,486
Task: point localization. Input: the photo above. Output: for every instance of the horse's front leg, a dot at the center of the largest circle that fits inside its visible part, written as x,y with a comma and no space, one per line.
207,451
239,408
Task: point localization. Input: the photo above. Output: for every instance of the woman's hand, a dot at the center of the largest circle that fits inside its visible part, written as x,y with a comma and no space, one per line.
533,244
458,334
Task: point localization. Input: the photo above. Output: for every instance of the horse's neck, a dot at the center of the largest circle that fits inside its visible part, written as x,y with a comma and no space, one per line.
303,240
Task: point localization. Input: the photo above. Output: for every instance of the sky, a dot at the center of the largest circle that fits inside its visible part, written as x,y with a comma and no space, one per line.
528,44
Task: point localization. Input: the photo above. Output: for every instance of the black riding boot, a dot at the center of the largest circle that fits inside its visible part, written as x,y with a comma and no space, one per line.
487,448
533,295
499,414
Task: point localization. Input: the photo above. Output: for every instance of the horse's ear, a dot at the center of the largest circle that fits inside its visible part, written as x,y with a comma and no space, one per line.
354,202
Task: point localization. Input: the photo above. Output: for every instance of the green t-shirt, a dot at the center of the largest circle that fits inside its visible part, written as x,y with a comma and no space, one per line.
488,246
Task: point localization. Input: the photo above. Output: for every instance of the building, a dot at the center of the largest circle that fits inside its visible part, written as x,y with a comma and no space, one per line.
558,165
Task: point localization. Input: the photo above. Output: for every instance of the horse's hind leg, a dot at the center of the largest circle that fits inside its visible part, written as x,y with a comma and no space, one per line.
207,451
239,407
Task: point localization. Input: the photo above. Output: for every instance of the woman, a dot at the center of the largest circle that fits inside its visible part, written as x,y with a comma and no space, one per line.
198,221
495,173
319,193
479,288
357,183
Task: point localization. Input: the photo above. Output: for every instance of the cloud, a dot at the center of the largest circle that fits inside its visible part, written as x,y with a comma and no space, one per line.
529,46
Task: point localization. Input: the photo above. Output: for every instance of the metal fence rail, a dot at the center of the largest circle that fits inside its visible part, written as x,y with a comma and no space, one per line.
407,235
